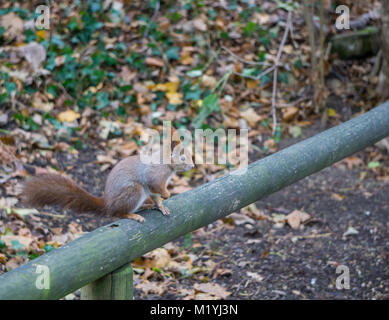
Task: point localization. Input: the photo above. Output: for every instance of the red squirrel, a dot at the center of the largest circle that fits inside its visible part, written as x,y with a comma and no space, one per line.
127,187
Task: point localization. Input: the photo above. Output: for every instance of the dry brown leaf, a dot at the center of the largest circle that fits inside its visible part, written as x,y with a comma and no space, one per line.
252,84
200,25
8,202
174,97
296,218
352,161
68,116
208,81
150,287
2,258
213,289
289,113
251,117
35,54
127,75
41,105
205,296
13,25
13,263
156,62
25,241
257,277
185,57
157,258
337,197
261,18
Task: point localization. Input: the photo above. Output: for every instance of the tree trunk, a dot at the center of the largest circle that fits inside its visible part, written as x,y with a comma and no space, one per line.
384,75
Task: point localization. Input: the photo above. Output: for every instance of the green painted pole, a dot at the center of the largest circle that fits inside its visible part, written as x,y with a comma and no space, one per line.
117,285
98,253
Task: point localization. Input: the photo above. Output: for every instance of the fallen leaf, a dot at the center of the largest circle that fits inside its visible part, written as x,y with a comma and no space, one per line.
296,218
60,60
251,117
337,197
353,161
9,202
41,105
35,54
240,219
350,231
174,97
289,113
257,277
154,62
13,26
68,116
383,144
150,287
200,25
261,18
212,289
42,35
251,84
9,240
159,257
208,81
332,113
13,263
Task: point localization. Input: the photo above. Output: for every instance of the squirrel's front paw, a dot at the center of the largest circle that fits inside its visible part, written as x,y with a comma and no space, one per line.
165,195
165,210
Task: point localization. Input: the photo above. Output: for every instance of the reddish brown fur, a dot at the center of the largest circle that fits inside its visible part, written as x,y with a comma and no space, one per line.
53,189
128,185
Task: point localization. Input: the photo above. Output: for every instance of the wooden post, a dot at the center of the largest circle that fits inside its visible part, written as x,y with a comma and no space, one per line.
117,285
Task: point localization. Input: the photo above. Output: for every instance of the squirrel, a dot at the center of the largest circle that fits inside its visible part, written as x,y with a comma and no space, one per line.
128,185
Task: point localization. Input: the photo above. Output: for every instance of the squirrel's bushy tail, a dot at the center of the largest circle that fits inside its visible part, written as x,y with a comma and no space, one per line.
53,189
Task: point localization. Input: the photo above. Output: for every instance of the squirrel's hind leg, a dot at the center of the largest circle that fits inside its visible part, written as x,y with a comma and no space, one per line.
128,201
133,216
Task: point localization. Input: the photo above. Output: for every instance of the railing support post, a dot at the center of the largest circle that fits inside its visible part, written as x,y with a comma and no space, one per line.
117,285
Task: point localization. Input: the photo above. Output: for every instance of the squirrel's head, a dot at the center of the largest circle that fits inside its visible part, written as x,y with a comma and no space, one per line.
181,162
181,158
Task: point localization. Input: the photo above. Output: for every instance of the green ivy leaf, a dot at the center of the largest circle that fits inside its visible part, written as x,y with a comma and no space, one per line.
173,53
209,105
373,164
187,241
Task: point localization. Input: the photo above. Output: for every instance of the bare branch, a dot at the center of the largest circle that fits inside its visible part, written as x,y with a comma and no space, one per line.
288,27
245,61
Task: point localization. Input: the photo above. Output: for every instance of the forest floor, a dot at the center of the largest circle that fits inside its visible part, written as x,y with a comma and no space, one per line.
77,98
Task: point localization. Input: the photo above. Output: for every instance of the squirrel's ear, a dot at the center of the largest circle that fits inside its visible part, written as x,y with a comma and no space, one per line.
175,138
174,144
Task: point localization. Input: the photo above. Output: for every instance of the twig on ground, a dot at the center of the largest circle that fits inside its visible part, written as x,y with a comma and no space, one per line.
165,59
293,103
156,10
255,77
276,64
65,91
244,61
